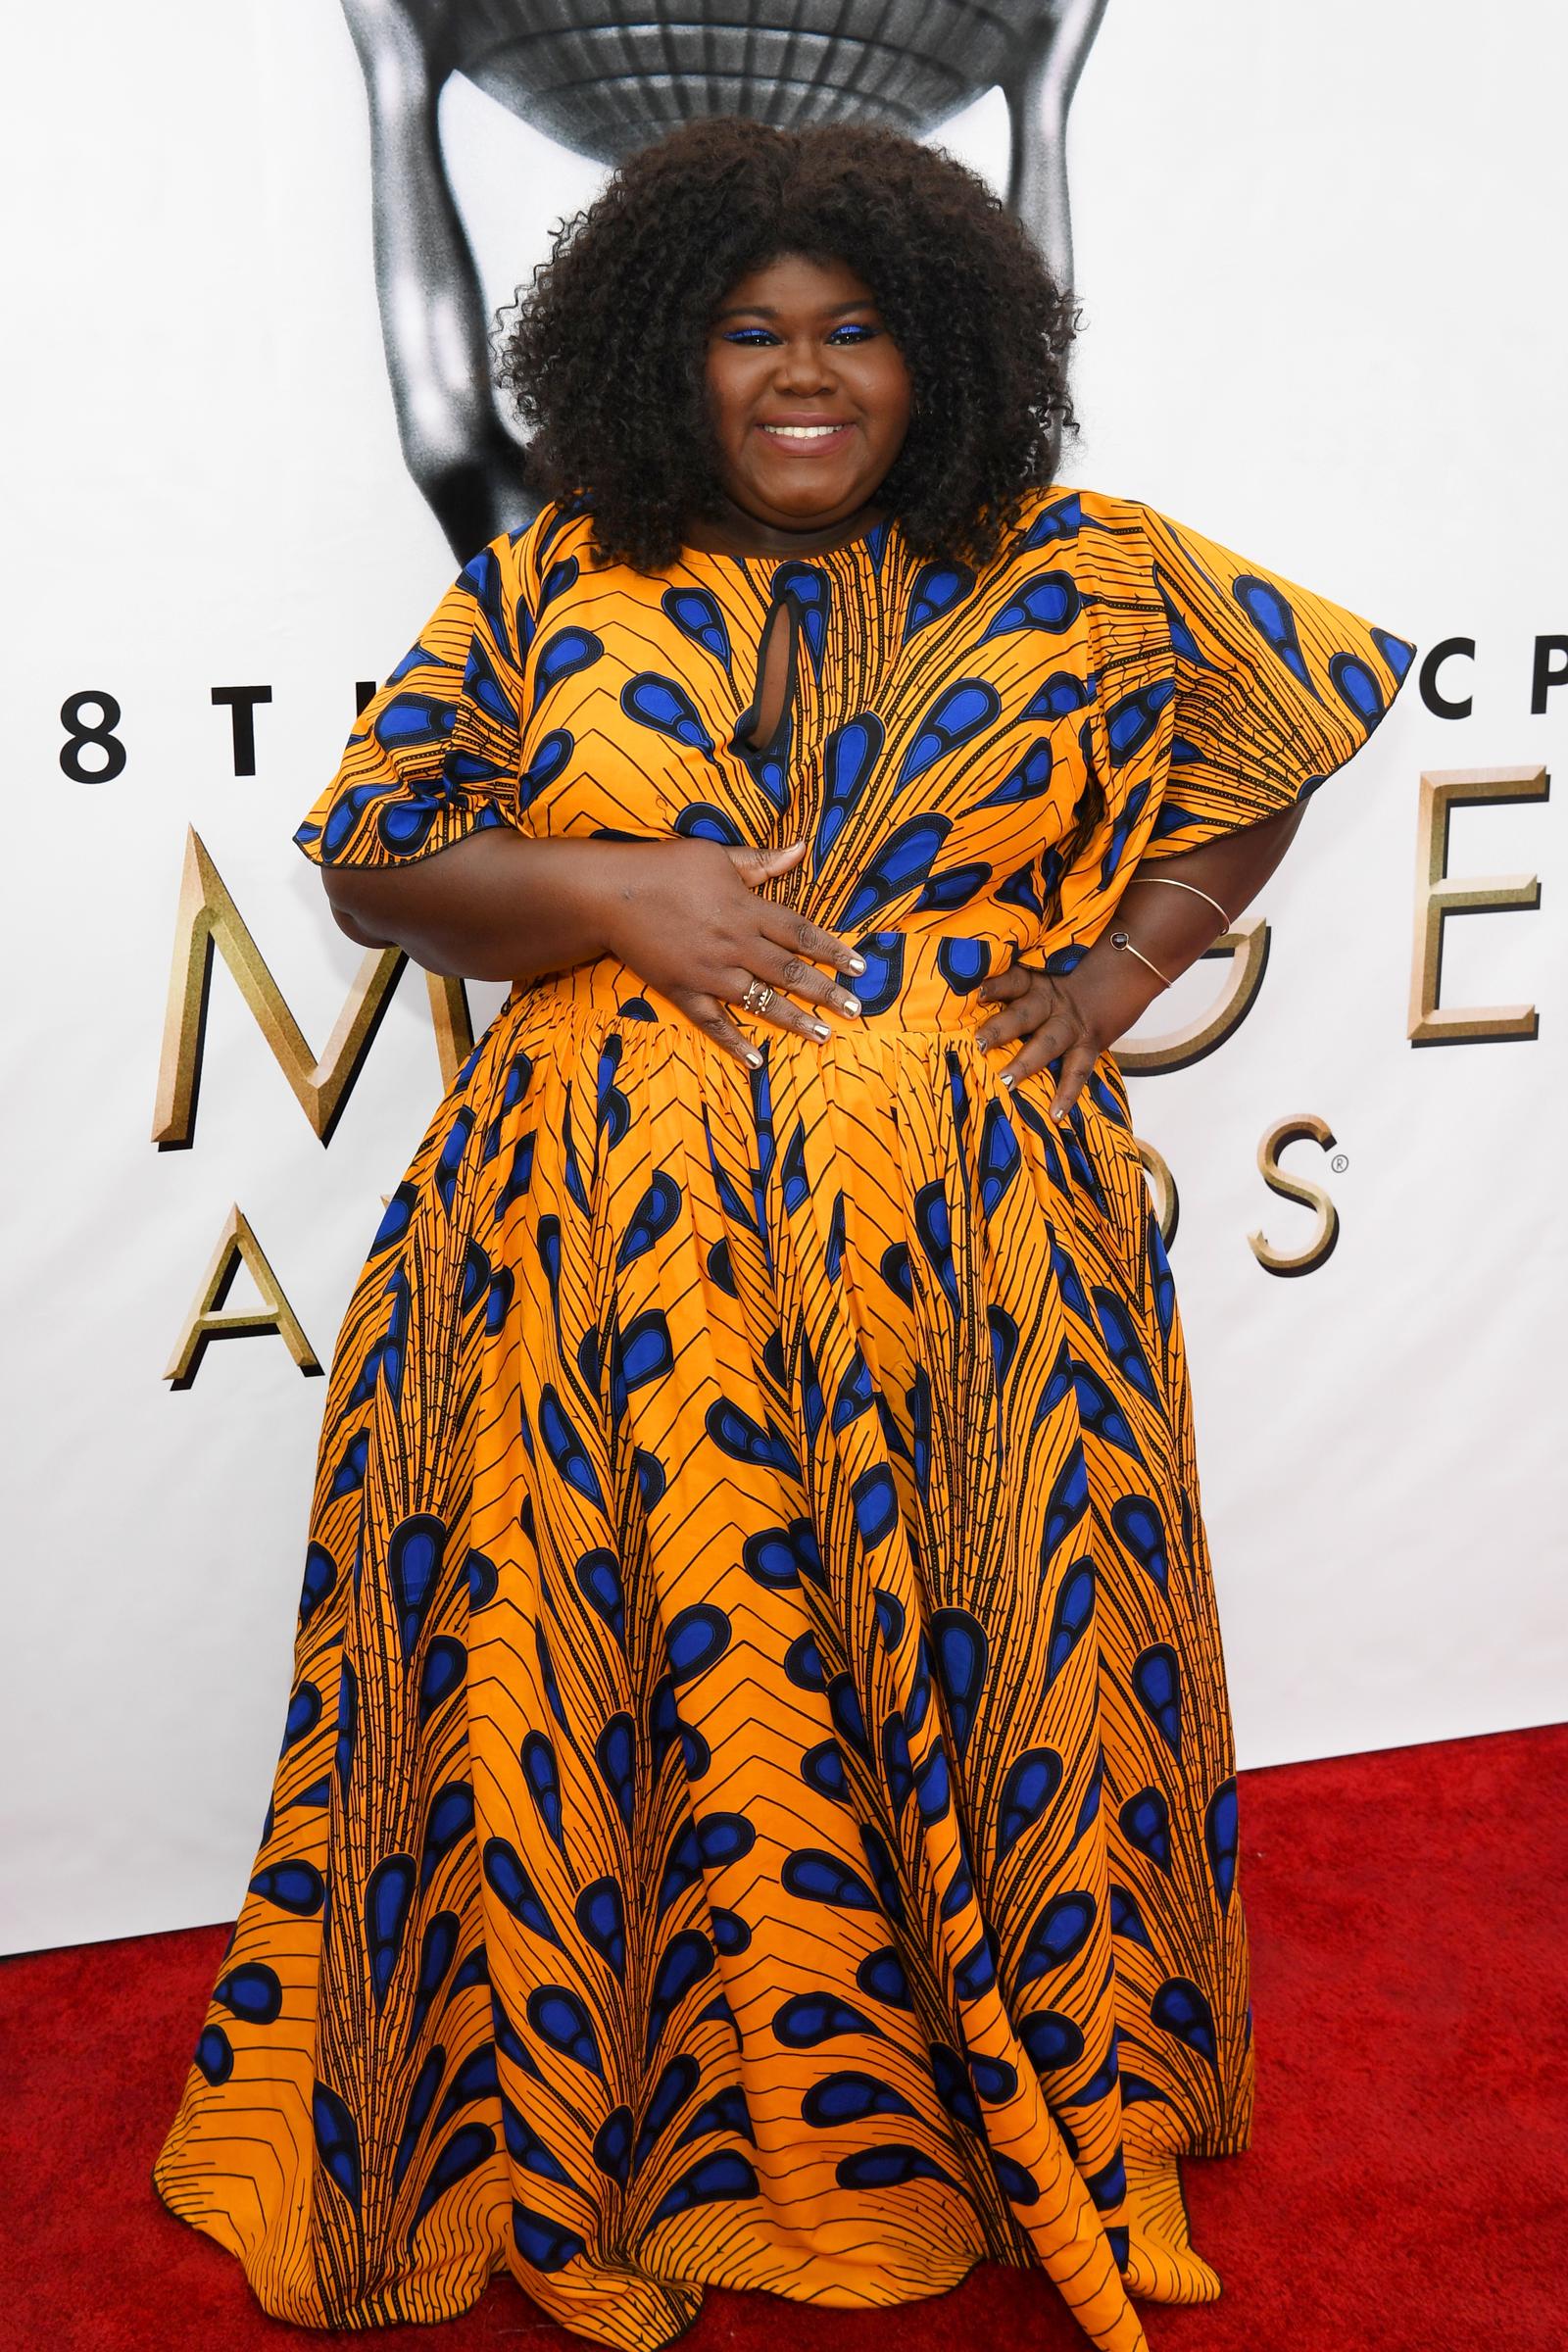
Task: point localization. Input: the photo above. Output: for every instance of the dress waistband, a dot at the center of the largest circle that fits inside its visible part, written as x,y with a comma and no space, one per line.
912,980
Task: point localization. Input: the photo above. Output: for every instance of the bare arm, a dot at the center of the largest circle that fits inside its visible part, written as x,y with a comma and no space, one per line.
497,905
1109,990
680,913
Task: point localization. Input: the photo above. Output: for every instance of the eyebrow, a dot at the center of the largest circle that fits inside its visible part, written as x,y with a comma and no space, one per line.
762,310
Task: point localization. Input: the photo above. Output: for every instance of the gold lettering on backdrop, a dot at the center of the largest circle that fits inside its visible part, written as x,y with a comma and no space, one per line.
237,1247
209,919
1442,789
1245,944
1304,1127
454,1023
1163,1184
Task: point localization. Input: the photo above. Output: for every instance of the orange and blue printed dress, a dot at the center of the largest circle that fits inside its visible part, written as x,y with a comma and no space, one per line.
758,1805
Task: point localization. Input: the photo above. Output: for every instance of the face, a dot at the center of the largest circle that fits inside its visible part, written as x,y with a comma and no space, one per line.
808,396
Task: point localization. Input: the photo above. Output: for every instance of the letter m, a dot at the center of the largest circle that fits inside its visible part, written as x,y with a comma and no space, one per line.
208,920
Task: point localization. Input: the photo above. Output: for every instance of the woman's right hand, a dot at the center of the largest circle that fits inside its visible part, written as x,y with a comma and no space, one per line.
685,916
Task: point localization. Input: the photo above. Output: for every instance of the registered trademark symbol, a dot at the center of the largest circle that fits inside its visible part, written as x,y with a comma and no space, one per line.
1340,1163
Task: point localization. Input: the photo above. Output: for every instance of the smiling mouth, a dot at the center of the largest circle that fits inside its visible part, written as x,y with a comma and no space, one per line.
805,437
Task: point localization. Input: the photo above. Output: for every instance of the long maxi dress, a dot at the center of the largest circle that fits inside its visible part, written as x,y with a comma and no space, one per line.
758,1803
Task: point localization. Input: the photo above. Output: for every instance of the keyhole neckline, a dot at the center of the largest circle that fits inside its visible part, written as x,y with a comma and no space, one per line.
782,614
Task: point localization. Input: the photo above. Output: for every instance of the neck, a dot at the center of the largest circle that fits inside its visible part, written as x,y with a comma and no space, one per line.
732,531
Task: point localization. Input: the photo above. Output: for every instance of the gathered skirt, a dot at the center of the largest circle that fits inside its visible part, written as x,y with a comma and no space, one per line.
756,1806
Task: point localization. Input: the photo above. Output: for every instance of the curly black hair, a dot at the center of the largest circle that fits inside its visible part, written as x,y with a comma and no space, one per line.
603,353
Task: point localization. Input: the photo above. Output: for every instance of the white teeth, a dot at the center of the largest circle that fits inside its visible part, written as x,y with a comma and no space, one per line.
803,432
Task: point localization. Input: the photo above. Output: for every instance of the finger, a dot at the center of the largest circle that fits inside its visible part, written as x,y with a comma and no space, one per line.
710,1016
1038,1049
1020,1019
779,1010
786,929
1055,1023
782,1014
1057,1036
795,977
1015,981
1076,1064
757,863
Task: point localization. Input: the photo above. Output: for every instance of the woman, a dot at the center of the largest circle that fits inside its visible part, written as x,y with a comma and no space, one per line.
758,1802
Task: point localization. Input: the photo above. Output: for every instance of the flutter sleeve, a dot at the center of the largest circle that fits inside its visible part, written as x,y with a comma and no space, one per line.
436,753
1273,687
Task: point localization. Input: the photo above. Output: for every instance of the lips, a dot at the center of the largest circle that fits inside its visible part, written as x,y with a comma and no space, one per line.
806,436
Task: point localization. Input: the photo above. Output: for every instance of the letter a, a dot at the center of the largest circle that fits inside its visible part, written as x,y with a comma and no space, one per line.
237,1247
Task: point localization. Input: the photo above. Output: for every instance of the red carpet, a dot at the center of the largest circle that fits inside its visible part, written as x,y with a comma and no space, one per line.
1406,2191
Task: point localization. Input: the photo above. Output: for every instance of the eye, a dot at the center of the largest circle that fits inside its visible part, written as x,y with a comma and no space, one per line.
747,334
859,333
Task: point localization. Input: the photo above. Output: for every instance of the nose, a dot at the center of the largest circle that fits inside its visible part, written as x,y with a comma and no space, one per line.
803,365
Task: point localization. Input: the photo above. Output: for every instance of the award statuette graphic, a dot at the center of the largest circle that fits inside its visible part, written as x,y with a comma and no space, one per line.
605,78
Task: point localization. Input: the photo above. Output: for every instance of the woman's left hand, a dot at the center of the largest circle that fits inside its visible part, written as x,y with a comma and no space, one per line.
1050,1020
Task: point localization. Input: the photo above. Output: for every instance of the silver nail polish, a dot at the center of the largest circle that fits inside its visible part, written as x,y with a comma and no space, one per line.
849,1003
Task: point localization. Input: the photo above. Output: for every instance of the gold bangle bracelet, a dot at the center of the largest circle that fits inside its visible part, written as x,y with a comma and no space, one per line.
1171,881
1119,939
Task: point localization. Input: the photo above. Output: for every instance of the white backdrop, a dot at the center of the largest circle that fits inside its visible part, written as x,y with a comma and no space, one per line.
1315,252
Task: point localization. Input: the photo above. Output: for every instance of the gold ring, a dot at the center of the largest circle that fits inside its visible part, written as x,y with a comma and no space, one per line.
758,997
